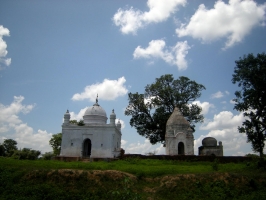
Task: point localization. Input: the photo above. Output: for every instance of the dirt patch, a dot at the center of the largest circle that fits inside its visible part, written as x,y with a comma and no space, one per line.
95,175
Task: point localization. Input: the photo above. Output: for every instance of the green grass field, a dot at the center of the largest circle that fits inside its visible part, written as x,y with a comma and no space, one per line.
131,178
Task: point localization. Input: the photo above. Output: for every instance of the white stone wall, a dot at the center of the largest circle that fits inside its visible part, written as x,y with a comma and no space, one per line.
173,141
104,139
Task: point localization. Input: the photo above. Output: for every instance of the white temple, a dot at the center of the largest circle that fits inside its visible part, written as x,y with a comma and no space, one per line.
96,139
179,139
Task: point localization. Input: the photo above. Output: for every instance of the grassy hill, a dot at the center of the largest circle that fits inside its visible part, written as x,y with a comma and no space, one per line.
131,178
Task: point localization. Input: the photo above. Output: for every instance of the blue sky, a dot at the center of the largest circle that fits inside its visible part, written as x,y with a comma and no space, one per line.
57,55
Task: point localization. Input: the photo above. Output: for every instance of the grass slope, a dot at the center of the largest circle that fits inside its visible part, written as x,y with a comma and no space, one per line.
130,179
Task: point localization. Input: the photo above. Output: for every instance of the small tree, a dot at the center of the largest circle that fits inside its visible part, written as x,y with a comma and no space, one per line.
55,142
47,155
10,146
73,121
79,123
250,75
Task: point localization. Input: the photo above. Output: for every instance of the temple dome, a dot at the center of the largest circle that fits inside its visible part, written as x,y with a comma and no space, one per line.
95,115
209,142
177,118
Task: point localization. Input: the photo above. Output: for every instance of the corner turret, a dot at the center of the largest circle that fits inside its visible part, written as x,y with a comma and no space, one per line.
112,117
66,118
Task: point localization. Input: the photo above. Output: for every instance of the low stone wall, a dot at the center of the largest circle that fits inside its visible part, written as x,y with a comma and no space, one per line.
189,158
69,159
192,158
66,158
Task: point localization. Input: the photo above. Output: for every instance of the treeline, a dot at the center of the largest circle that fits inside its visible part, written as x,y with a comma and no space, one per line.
9,149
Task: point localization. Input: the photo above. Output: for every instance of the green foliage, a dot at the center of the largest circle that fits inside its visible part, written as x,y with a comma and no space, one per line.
151,110
79,123
2,150
215,165
55,142
41,179
47,155
250,75
73,121
26,154
125,191
9,146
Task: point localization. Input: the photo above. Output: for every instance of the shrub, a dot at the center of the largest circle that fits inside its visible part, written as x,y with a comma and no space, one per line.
215,165
26,154
47,155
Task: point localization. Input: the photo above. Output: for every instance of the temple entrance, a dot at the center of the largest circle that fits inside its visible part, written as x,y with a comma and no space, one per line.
87,148
181,148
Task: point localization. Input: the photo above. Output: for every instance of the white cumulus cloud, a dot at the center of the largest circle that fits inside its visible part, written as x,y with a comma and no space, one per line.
224,120
143,148
3,47
79,116
232,21
107,90
12,127
172,55
131,20
204,105
224,127
217,95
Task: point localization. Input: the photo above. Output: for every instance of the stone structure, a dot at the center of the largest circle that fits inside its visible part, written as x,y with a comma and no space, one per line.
96,139
209,147
179,139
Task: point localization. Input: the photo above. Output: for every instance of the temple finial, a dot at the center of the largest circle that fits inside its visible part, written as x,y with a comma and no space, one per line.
97,99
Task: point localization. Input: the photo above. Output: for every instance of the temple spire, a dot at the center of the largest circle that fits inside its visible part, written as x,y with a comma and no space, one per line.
96,104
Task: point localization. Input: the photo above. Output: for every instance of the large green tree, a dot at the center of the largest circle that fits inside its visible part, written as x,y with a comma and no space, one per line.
151,110
55,142
250,75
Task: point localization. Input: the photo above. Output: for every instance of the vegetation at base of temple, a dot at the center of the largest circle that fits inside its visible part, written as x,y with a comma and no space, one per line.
132,178
55,143
250,75
151,110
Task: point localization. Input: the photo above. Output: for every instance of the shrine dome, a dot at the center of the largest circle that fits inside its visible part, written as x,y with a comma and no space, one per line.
95,114
209,142
177,118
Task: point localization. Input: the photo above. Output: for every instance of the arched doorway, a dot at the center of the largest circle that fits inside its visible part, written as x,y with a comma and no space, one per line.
181,148
87,148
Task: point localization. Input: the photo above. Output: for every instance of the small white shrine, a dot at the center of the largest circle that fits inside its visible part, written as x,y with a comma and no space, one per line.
96,139
179,139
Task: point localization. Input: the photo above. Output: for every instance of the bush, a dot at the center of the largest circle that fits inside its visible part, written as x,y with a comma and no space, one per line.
215,165
47,156
26,154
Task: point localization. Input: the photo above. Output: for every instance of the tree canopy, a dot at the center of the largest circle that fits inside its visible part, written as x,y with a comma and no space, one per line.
79,123
9,146
55,143
151,110
26,154
250,75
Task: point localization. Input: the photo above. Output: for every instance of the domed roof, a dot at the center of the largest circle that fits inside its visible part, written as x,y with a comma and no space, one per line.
96,109
95,114
177,118
209,142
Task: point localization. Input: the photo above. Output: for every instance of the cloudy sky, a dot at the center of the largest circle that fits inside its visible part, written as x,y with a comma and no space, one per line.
57,55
